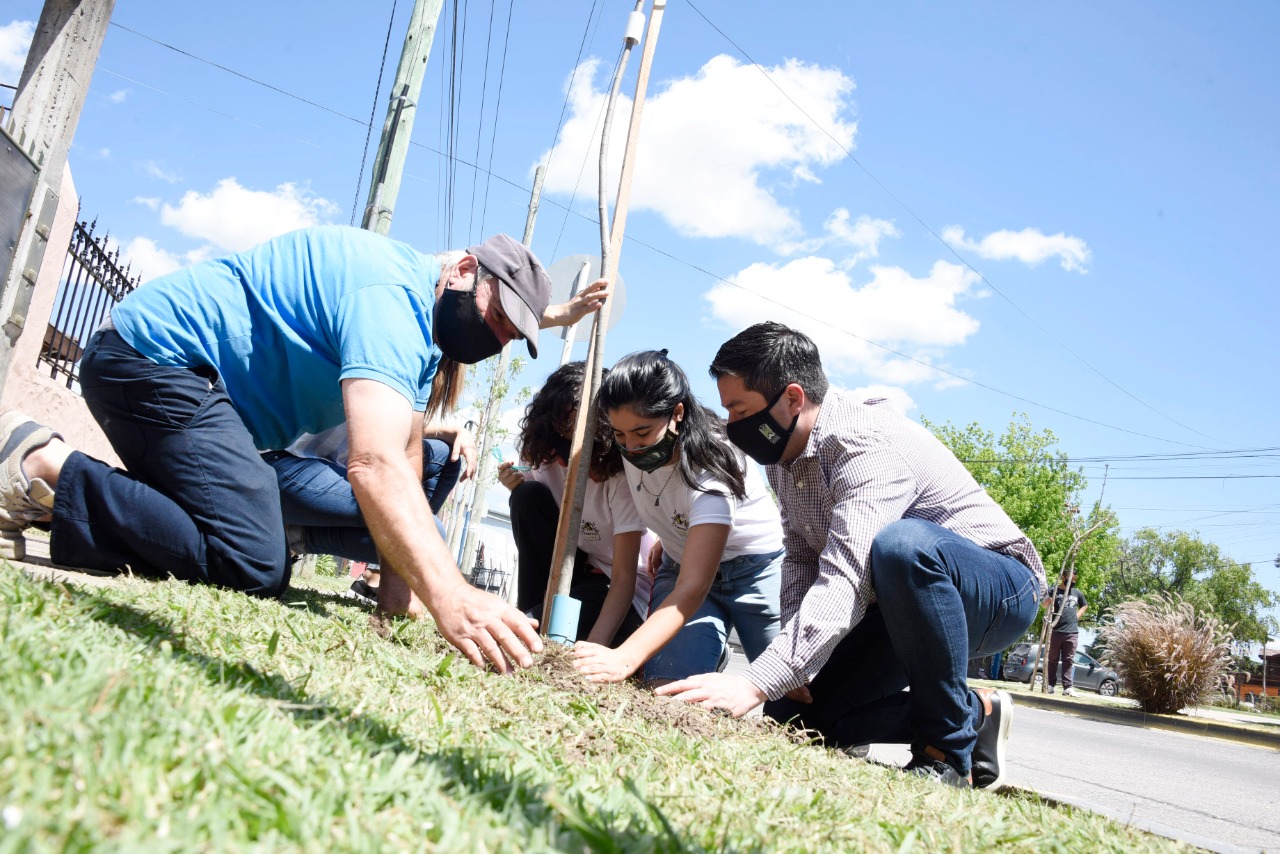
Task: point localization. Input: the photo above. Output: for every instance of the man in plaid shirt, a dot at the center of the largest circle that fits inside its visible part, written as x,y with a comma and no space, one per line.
899,569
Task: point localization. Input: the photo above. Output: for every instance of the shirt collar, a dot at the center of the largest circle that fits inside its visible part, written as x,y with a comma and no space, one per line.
818,431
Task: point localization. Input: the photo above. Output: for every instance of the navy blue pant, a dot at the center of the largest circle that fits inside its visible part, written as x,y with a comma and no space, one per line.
196,501
941,600
316,495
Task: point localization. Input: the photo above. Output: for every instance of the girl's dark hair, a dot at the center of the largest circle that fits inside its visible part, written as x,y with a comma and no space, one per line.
652,385
550,415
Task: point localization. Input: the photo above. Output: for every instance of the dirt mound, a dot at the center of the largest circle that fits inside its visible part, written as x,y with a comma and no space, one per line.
555,667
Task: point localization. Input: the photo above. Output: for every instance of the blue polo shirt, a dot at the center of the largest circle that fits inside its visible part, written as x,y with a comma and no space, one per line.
283,323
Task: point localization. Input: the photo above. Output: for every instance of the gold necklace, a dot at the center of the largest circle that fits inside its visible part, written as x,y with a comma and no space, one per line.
657,495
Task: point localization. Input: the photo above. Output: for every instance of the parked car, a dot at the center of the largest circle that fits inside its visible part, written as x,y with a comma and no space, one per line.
1087,673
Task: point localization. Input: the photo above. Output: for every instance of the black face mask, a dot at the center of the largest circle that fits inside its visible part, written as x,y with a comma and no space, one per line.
563,447
652,457
460,330
760,436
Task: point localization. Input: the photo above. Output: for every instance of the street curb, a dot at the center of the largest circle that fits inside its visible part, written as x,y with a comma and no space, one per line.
1135,717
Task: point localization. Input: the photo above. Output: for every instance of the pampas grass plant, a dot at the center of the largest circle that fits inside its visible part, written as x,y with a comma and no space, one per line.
1168,656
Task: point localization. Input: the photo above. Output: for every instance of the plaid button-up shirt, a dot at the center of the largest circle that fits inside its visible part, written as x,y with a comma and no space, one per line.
864,467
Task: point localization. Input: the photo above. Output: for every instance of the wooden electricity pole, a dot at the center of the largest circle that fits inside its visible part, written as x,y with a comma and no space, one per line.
393,147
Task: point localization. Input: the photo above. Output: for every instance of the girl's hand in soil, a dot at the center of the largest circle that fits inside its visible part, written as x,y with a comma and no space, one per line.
601,664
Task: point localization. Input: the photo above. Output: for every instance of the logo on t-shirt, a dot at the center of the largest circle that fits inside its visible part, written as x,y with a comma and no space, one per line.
590,532
680,522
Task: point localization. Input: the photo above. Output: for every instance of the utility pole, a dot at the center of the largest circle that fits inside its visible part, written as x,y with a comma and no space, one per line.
46,110
393,147
492,411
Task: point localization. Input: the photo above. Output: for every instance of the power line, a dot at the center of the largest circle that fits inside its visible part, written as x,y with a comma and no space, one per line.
484,94
373,113
586,156
497,111
936,236
235,73
1242,453
452,161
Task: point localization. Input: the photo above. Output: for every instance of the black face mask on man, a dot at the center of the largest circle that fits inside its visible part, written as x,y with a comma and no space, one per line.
460,329
760,436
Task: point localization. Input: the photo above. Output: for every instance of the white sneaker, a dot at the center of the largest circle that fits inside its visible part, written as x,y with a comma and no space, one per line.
1068,692
1049,690
22,500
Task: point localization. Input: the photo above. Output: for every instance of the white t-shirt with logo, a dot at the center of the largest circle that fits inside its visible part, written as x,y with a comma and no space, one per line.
670,509
607,510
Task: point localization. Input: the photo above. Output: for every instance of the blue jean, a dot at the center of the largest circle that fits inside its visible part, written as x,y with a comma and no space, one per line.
941,600
743,595
316,495
197,502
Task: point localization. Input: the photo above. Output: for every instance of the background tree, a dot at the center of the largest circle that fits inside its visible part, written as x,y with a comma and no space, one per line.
1179,562
1026,474
489,388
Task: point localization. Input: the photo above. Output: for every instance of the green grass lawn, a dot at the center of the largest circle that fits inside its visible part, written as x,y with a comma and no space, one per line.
163,717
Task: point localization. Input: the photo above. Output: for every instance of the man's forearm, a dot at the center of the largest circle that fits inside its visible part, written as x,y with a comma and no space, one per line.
396,511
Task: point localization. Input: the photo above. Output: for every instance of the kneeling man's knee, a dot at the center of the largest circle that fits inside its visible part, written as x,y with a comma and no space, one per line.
899,547
901,540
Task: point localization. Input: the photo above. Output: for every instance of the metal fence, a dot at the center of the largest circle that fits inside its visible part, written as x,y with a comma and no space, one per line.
92,282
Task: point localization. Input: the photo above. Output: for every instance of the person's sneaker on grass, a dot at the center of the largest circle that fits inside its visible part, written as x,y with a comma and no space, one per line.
1049,690
1068,692
364,593
23,501
993,736
929,765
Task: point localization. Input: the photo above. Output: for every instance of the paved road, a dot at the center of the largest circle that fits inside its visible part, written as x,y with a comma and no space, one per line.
1209,792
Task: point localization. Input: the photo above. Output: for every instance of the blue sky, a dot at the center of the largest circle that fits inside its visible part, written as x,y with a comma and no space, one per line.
1108,172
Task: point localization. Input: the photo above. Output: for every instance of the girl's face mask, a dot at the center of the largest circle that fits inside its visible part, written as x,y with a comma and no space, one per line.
652,457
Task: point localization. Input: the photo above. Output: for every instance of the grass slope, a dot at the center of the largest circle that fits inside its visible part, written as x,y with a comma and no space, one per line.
162,717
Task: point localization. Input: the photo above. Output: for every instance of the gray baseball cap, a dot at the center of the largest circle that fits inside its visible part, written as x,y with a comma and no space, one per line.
525,290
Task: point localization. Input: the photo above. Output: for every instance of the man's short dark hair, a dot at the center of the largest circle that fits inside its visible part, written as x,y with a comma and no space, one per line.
768,357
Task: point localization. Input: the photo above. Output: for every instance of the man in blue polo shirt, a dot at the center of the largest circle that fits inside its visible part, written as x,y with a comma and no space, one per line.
196,372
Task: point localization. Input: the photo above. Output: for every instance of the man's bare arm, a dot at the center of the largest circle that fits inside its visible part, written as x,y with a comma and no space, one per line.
382,426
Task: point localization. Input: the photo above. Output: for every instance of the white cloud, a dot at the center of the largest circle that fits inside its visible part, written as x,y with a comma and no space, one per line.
717,147
229,218
863,235
917,317
118,96
895,396
155,170
1030,246
145,257
15,39
232,217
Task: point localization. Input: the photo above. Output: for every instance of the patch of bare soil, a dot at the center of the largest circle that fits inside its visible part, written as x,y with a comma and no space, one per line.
380,623
555,668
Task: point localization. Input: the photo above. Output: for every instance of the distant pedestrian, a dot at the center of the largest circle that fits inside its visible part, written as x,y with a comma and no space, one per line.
1064,607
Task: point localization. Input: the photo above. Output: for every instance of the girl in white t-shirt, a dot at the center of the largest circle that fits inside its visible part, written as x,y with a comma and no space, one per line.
607,579
719,558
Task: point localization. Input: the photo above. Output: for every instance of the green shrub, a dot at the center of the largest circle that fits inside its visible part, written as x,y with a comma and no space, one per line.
1167,655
